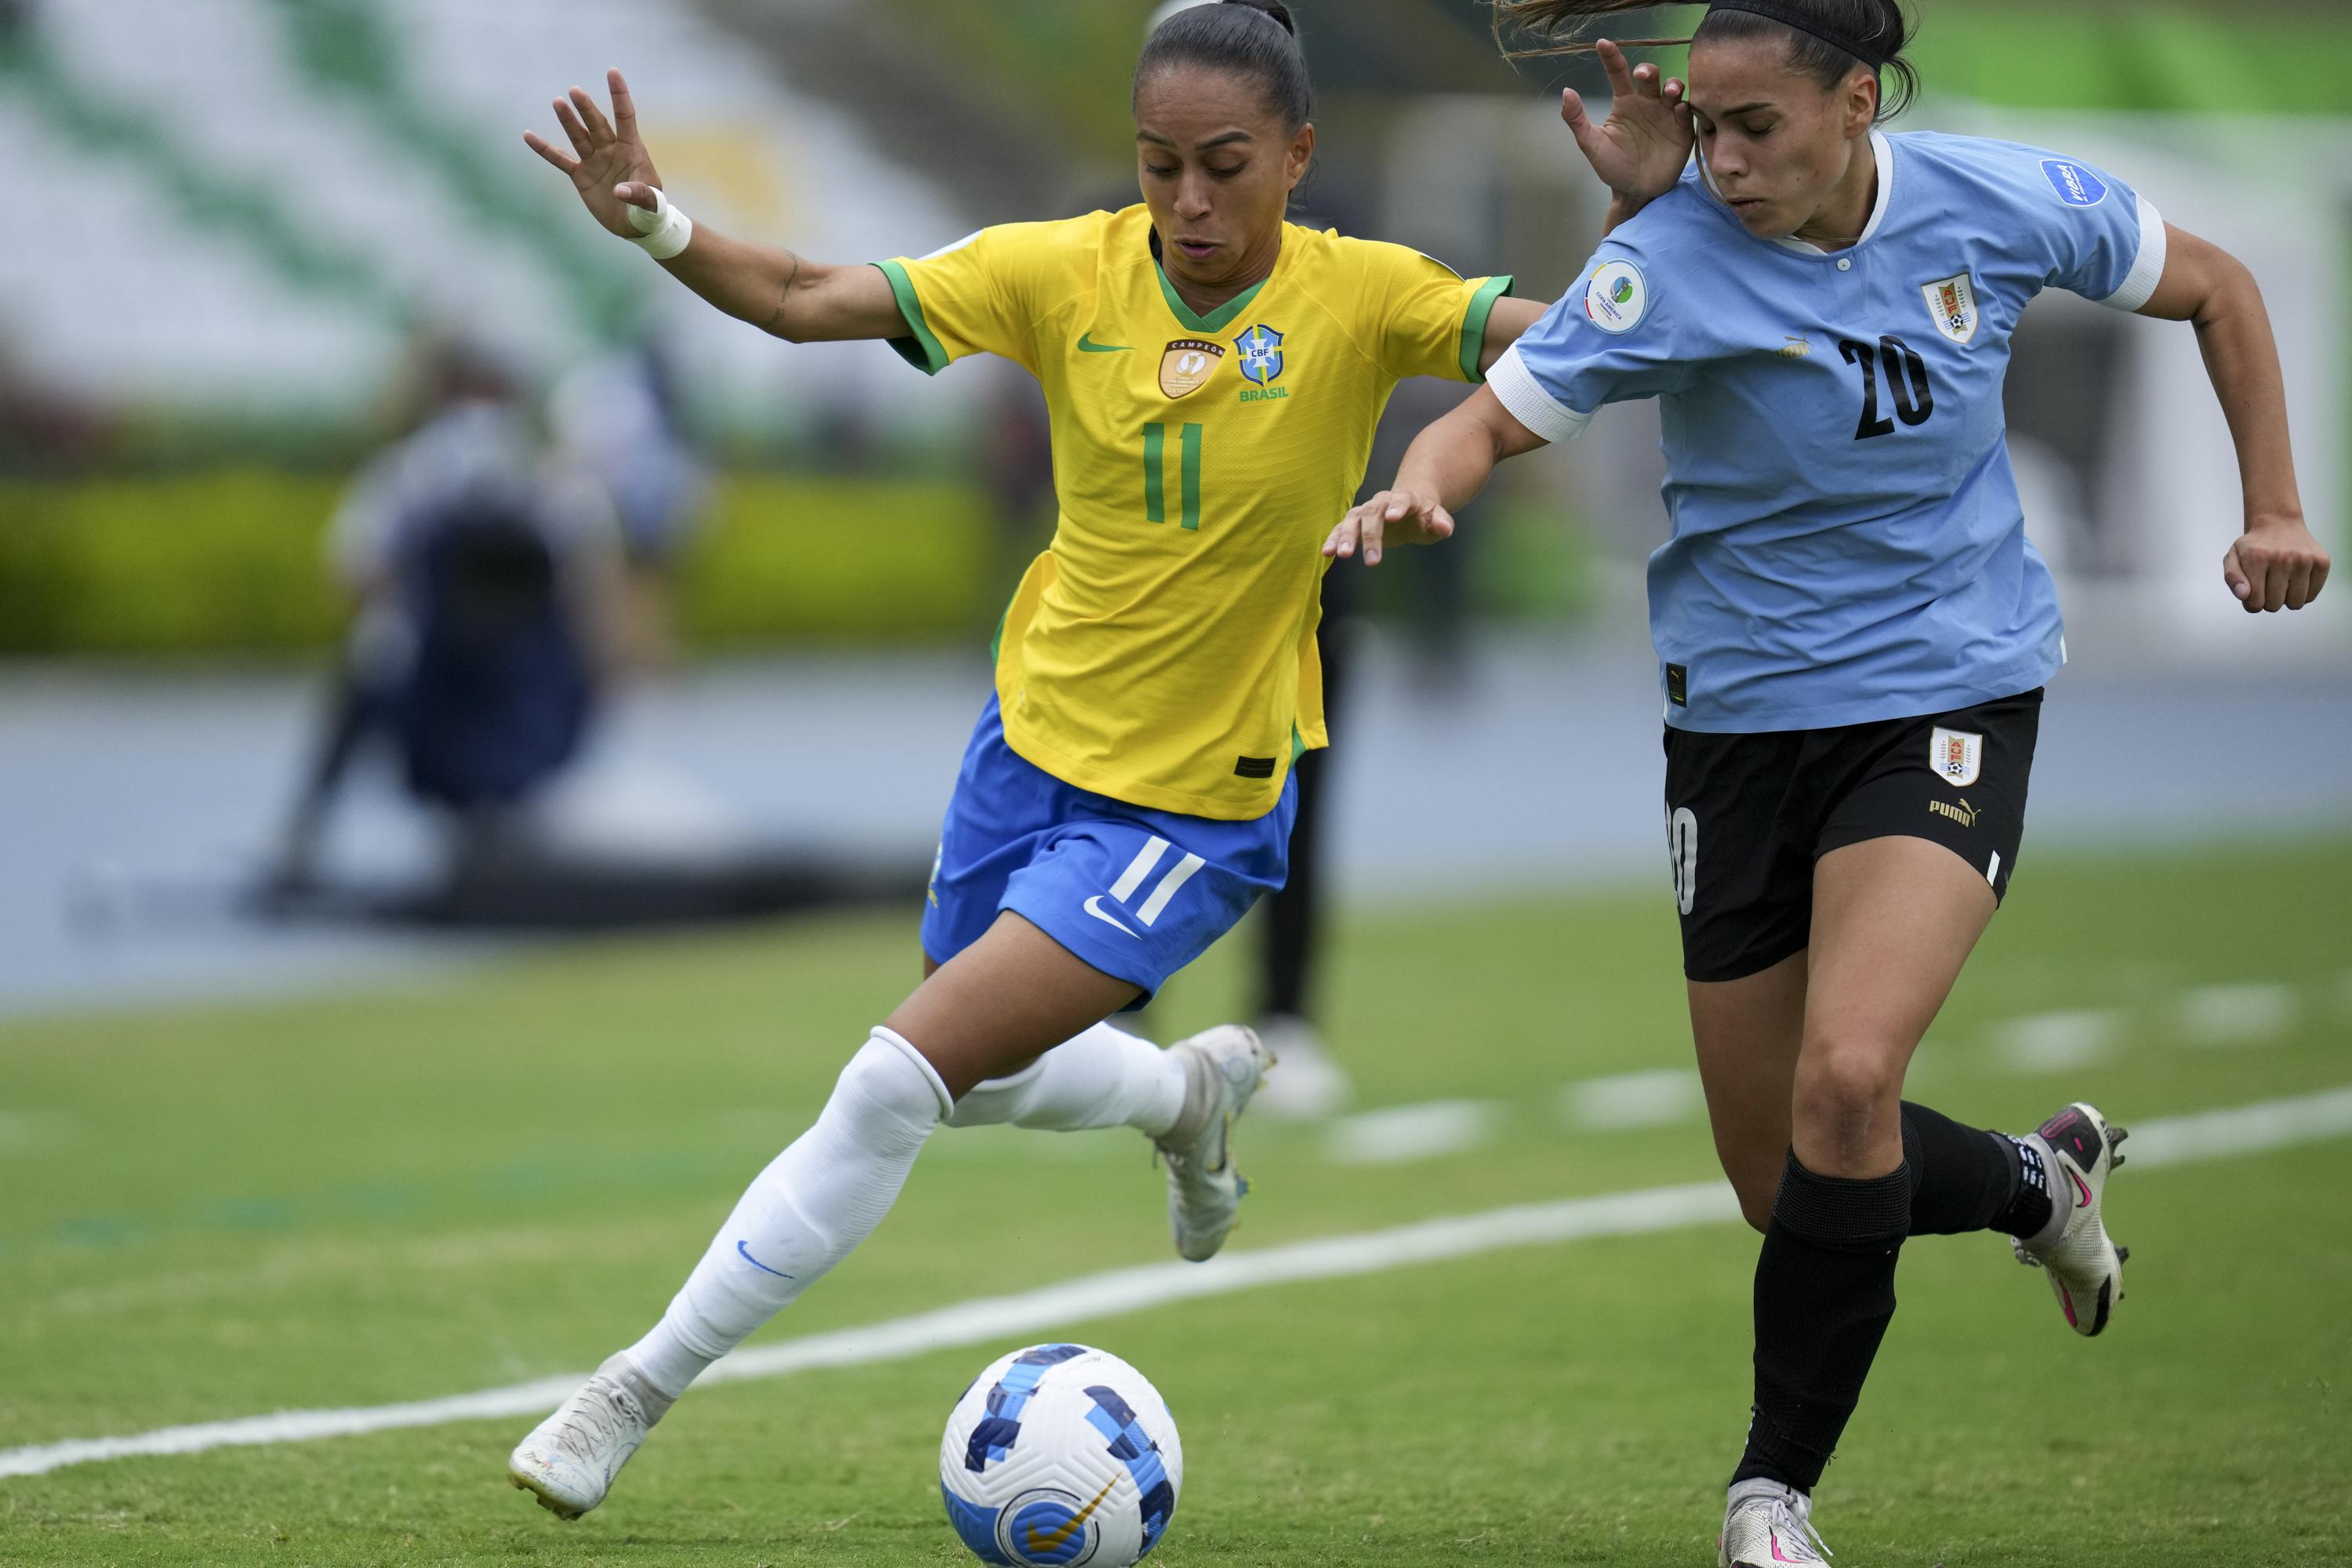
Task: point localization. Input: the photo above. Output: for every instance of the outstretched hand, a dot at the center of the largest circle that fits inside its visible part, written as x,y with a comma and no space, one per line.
1641,150
1392,516
613,171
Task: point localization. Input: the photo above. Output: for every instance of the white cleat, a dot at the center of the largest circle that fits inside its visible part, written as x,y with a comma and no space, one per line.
2079,1152
568,1461
1224,1067
1311,1084
1767,1525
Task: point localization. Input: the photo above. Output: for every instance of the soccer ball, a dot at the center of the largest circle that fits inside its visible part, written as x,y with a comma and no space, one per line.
1063,1457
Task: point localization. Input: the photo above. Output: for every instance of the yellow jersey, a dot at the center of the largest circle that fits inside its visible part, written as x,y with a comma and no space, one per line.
1161,651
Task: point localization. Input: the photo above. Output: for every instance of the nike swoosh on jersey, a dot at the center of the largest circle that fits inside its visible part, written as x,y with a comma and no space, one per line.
1086,345
745,1250
1046,1545
1092,908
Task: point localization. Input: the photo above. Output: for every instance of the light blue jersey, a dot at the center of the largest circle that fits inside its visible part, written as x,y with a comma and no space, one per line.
1847,540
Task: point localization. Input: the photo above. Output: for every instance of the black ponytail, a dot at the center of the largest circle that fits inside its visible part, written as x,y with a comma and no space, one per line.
1827,39
1253,38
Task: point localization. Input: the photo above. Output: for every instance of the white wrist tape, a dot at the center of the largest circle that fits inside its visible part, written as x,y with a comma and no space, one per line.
662,233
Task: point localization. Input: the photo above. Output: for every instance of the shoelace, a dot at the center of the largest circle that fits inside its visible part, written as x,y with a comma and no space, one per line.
597,1422
1783,1515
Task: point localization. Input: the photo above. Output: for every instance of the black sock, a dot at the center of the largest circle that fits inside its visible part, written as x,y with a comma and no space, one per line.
1824,1293
2031,1209
1964,1179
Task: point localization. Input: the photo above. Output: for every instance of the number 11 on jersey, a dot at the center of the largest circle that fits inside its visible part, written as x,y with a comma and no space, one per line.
1155,479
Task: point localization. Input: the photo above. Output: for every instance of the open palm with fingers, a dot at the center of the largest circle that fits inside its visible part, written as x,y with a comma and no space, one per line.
1641,150
611,170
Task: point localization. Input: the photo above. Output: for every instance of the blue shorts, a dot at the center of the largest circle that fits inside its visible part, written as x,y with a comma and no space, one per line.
1136,893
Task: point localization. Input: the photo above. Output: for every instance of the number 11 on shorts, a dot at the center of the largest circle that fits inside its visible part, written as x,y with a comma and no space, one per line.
1146,861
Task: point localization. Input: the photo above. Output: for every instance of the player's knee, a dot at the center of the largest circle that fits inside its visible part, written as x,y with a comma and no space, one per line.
1847,1089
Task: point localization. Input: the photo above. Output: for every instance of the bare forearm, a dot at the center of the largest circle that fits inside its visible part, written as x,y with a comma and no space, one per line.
1451,461
785,294
2233,332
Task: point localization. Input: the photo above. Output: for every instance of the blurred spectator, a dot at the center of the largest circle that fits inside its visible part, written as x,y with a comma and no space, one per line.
1017,462
484,578
39,427
617,421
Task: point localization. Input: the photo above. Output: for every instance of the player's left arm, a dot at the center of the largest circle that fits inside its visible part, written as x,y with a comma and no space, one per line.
1505,323
2277,564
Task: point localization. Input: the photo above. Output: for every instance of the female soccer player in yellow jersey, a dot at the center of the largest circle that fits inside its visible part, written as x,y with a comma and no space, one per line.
1213,375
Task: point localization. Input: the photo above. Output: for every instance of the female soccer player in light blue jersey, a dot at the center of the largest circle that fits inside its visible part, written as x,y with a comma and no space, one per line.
1852,631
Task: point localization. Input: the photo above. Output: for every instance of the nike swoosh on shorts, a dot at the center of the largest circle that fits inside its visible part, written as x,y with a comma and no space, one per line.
1111,920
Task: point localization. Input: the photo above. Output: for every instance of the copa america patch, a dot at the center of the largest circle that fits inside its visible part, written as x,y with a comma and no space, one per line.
1957,755
1952,302
1618,297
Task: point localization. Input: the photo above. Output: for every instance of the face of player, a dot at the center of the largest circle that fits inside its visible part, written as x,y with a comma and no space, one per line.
1789,156
1217,165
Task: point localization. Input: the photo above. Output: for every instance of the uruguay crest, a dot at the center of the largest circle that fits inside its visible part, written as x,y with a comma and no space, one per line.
1957,756
1188,363
1261,349
1952,301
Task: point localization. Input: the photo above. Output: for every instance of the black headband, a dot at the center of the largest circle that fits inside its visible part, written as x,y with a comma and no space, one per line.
1789,16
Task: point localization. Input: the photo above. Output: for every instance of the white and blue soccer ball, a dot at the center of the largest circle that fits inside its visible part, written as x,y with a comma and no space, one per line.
1061,1456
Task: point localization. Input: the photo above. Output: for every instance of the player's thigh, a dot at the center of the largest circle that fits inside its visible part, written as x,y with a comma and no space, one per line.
1895,918
1746,1033
1917,849
1002,1002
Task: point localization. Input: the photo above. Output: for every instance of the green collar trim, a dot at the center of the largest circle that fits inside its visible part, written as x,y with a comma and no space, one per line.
1216,320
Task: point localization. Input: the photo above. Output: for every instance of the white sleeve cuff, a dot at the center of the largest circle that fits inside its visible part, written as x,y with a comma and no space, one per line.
1516,387
2147,272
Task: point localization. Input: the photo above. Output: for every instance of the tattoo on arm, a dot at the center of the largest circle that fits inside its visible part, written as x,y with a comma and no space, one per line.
784,295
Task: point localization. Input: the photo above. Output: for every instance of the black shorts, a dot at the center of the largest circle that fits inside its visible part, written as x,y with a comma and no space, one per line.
1747,815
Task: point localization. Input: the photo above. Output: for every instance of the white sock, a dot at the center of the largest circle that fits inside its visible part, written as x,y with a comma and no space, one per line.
807,1211
1100,1077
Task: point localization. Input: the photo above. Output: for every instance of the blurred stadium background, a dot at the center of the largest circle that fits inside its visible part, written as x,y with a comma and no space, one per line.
252,235
260,222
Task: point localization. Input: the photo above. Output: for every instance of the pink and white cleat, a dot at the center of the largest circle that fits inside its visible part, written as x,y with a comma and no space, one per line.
1767,1525
2079,1152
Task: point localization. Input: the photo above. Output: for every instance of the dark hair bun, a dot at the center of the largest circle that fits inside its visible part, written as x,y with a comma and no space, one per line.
1273,9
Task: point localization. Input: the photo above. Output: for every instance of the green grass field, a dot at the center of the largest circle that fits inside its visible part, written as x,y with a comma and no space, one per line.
224,1211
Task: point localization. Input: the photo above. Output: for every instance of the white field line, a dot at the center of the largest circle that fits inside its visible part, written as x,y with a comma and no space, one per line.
1404,1133
2215,1134
2238,1015
1661,1099
2058,1042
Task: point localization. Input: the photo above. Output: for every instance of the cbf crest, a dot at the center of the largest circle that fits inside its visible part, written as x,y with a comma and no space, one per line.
1957,755
1189,363
1261,349
1952,301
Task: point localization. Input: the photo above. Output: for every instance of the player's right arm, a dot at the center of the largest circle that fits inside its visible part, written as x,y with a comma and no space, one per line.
1446,467
777,291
